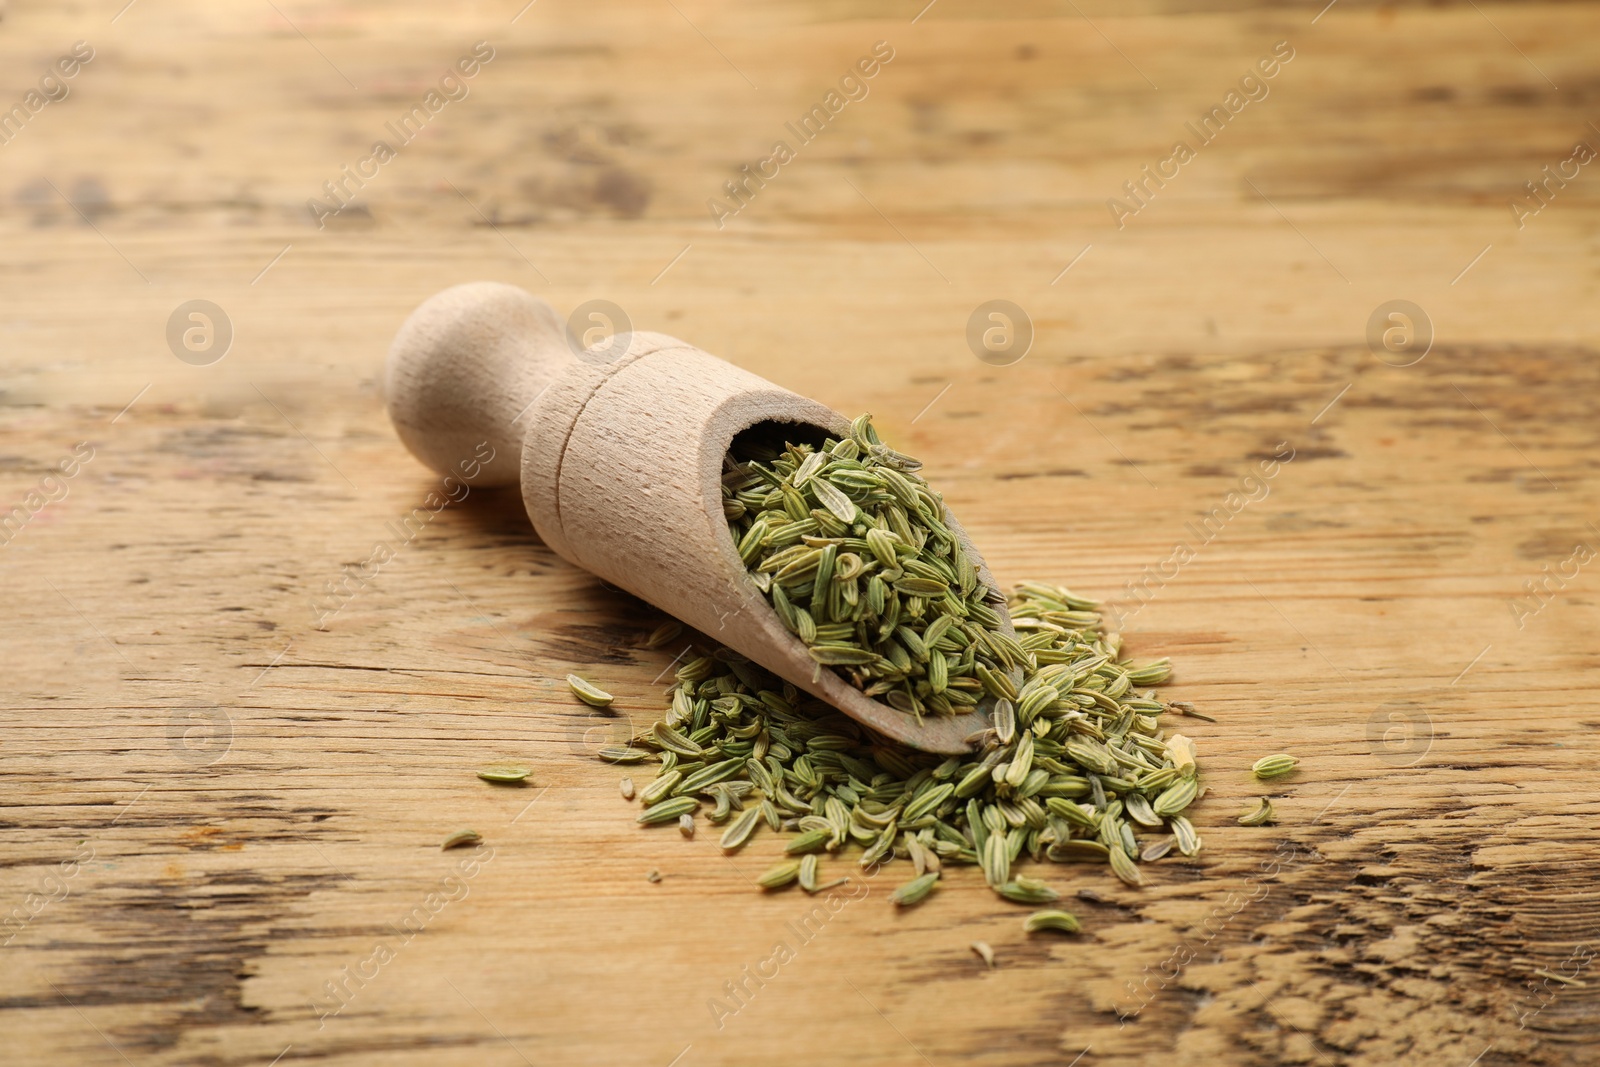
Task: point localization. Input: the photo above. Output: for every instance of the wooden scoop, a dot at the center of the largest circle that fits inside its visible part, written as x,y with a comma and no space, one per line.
621,447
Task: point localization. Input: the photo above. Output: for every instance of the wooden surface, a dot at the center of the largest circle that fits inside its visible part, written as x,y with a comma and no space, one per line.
213,806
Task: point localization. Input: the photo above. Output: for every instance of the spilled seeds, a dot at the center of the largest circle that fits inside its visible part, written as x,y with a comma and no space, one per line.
1076,768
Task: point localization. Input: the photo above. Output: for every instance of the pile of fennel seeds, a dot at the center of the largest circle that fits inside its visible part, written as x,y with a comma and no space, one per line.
1075,769
850,546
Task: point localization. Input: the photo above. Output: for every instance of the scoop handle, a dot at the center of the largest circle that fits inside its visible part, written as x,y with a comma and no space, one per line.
465,368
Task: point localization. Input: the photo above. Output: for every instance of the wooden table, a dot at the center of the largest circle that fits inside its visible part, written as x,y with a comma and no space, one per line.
216,810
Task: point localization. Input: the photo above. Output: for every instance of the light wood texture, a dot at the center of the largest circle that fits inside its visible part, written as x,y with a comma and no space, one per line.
249,803
621,450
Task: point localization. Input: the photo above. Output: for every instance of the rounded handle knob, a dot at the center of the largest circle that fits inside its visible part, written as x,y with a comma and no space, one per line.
465,368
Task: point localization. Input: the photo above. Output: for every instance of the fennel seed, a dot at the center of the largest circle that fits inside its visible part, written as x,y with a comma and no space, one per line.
505,774
588,692
1061,921
664,633
1259,816
461,838
915,891
1274,766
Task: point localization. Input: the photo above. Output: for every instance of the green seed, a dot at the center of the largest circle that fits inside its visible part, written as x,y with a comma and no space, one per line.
1028,891
1274,766
916,890
937,629
924,587
842,655
661,788
709,775
880,848
832,498
881,543
925,804
739,831
996,858
1140,811
812,464
1157,849
1077,852
1187,840
808,872
1037,701
1123,867
1177,796
673,741
1092,756
1005,721
664,633
1061,921
588,692
1021,762
779,876
667,811
1259,816
1151,673
810,841
996,682
461,838
624,754
505,773
1078,815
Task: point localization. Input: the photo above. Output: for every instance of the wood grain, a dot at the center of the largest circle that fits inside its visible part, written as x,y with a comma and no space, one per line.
249,804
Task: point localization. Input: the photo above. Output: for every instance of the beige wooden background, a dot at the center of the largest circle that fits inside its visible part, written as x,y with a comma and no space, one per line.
212,808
